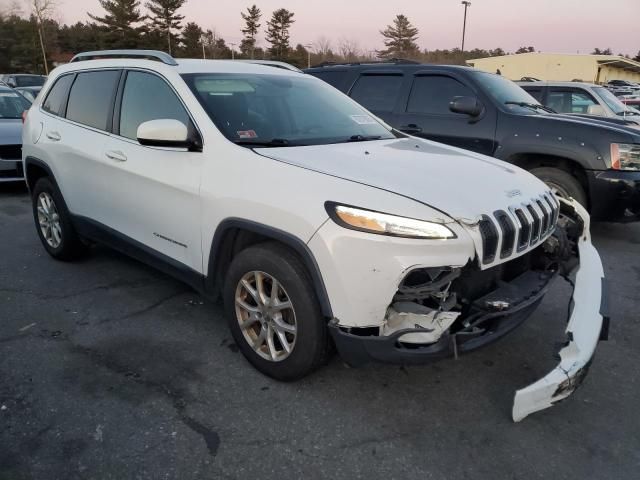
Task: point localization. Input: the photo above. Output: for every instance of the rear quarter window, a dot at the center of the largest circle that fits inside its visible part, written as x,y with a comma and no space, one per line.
333,78
91,98
57,96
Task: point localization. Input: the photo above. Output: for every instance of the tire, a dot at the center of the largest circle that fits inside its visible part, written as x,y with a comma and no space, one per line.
562,183
61,242
309,347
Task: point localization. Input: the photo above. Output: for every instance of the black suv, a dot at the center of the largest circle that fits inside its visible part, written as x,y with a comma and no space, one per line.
591,160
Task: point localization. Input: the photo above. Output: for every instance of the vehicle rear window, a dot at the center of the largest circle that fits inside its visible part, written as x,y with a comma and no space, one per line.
333,78
91,97
54,103
12,105
378,93
147,97
29,80
534,92
432,94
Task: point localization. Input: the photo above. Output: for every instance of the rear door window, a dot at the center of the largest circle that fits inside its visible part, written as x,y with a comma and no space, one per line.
148,97
57,96
535,92
91,98
431,94
335,78
378,93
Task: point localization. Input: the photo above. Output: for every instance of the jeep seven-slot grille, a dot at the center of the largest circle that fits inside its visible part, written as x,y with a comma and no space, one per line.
514,231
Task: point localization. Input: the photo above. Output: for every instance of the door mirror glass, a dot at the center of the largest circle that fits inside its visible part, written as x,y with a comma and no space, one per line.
596,110
164,133
466,105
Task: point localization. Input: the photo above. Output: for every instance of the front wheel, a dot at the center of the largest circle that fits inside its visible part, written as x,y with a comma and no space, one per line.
562,183
273,312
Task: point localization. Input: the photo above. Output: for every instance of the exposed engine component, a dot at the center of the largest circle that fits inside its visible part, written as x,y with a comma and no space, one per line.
430,287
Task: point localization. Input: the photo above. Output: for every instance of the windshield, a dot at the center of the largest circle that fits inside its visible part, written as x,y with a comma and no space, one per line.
279,110
12,105
613,103
505,92
29,81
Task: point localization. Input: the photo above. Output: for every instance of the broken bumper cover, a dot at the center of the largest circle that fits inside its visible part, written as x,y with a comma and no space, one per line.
587,325
359,350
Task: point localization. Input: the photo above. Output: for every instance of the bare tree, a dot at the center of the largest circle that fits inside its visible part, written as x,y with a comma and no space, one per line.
42,10
323,47
10,9
349,49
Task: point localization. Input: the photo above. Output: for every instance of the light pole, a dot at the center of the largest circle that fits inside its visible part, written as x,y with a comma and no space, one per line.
308,47
233,52
466,4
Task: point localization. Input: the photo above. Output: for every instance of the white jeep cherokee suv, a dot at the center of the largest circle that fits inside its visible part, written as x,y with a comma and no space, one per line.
315,222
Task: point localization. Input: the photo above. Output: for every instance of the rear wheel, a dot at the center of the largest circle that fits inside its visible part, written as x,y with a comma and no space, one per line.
562,183
273,312
53,222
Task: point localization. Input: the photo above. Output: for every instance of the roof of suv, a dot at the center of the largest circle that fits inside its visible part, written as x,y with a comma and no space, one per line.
389,65
543,83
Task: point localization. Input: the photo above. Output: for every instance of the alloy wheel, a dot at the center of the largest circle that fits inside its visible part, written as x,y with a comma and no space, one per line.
266,316
49,220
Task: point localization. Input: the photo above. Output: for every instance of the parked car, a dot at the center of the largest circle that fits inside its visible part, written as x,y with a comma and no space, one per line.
580,99
12,106
307,214
591,160
30,93
23,80
632,101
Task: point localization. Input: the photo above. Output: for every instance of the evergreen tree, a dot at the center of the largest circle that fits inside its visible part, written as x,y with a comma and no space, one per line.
252,24
525,50
192,40
400,39
637,57
124,22
278,33
165,19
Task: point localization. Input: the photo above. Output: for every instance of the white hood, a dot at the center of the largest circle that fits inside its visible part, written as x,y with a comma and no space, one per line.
462,184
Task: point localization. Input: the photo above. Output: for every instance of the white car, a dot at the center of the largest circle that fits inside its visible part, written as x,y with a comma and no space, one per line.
313,220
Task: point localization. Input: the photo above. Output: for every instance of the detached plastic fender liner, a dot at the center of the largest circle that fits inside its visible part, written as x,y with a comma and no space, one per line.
584,331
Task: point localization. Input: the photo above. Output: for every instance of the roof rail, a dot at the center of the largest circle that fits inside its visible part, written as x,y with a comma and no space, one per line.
142,54
390,61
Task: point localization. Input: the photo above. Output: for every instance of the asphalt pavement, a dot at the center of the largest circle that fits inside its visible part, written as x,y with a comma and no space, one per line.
111,370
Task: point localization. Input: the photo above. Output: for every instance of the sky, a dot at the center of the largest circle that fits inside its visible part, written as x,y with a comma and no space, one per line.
565,26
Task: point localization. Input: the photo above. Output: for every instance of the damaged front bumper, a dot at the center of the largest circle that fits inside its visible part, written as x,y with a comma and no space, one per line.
588,323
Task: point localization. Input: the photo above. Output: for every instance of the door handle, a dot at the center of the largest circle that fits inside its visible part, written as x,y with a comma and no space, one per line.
411,128
116,155
55,136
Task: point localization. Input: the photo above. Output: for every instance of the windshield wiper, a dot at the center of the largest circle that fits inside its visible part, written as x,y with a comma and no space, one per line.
274,142
364,138
534,106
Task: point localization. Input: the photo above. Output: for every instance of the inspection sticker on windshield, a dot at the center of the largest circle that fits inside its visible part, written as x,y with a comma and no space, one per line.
247,134
363,119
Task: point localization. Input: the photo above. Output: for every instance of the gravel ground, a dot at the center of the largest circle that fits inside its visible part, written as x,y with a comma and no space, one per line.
111,370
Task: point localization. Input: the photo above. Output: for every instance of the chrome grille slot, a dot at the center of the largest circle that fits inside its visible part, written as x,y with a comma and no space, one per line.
535,234
555,211
489,234
508,233
546,219
525,230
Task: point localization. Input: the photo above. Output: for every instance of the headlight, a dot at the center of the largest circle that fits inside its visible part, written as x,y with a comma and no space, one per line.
385,224
625,156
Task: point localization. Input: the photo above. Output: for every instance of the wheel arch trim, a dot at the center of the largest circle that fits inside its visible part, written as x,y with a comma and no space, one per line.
288,239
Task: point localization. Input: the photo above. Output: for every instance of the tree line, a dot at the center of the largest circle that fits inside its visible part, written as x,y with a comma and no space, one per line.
33,41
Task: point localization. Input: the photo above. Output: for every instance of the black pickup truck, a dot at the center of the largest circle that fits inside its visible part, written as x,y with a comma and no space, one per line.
594,161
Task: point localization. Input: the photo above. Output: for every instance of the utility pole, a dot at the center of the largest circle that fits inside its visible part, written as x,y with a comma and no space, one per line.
466,4
308,47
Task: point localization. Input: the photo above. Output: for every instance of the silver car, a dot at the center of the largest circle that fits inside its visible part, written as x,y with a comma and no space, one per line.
581,99
12,107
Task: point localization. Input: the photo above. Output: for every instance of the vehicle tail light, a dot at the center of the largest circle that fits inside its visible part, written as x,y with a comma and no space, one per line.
24,115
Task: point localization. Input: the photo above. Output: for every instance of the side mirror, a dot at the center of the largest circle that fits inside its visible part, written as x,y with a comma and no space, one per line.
596,110
11,83
164,133
466,105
